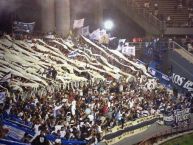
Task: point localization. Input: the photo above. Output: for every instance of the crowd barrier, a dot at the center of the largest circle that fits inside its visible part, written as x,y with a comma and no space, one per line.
130,128
9,142
113,135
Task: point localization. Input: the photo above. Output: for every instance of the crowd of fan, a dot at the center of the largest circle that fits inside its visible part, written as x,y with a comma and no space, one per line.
85,111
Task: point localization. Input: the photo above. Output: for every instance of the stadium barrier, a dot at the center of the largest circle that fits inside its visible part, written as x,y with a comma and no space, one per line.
131,128
159,136
9,142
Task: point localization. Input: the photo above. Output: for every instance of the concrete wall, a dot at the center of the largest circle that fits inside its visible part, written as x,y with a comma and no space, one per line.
47,15
178,31
98,14
62,9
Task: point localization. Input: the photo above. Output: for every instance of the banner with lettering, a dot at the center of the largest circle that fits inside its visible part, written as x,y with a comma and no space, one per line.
163,78
23,27
177,117
182,82
128,50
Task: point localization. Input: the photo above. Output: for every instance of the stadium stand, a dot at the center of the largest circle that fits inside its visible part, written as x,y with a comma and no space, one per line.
179,13
75,91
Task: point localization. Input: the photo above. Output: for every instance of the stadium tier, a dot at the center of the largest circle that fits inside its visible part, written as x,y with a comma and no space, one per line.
75,91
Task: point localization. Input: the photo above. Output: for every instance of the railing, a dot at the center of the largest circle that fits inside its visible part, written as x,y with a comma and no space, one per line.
146,15
166,133
175,45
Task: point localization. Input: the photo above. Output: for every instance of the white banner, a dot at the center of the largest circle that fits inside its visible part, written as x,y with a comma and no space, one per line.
95,35
177,116
23,27
182,115
128,50
100,35
121,44
78,24
169,118
122,41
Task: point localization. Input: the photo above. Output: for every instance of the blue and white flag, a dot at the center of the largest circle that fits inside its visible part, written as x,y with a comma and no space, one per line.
14,133
152,71
95,35
73,54
23,27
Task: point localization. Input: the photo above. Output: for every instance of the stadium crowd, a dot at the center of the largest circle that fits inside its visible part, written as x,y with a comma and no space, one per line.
85,111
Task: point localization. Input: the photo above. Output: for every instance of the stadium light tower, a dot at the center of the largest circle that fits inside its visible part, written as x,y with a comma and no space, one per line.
108,24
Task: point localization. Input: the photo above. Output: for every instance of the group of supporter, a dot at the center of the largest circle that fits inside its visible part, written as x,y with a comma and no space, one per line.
85,112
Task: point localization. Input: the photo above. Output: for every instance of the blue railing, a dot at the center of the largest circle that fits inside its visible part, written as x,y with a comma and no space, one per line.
10,142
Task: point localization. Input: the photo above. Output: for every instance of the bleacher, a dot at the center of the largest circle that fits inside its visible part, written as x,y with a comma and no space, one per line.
168,8
63,54
91,64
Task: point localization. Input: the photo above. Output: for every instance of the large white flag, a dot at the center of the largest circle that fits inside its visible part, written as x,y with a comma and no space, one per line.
128,50
121,44
78,24
95,35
